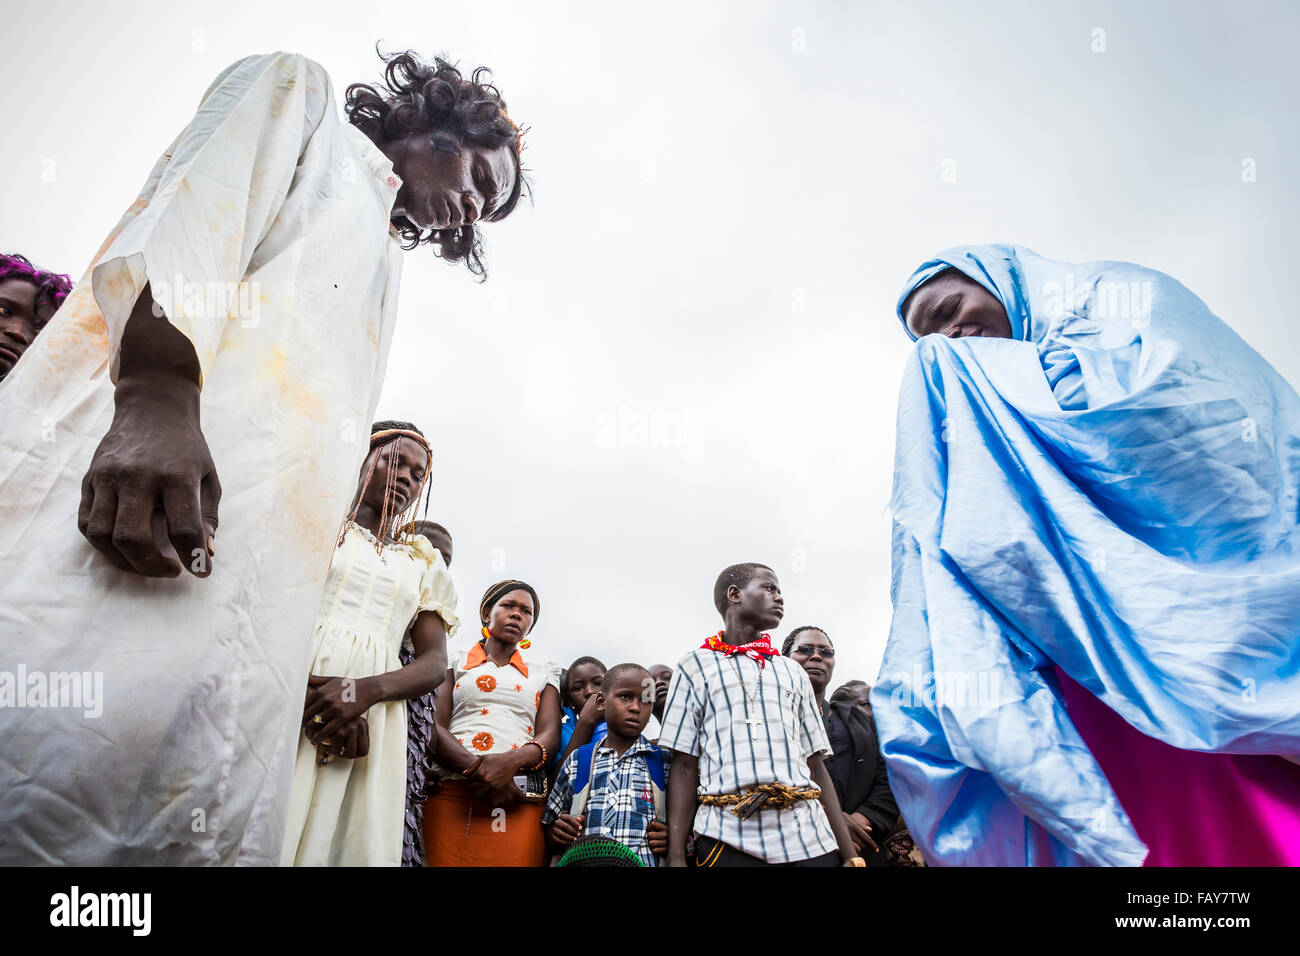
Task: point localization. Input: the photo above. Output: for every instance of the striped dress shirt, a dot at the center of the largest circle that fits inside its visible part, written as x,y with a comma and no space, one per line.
750,725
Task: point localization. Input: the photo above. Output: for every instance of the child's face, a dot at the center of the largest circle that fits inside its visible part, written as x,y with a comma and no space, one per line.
584,681
442,543
626,709
761,602
663,676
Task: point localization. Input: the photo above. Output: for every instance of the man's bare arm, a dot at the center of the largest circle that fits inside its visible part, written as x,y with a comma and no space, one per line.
154,458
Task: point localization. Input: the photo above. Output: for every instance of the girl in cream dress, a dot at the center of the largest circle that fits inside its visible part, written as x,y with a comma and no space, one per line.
348,797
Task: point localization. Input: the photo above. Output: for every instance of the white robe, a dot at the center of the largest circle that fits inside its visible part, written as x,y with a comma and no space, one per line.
203,680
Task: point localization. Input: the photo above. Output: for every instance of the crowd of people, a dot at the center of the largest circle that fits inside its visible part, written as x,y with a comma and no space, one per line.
492,760
1095,507
495,758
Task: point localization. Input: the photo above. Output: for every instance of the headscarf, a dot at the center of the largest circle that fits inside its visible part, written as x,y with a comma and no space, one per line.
1116,495
499,590
995,267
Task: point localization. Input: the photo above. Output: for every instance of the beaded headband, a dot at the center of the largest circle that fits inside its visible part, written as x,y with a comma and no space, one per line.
375,439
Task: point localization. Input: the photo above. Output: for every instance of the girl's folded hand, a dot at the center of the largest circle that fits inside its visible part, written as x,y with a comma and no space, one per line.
332,704
352,742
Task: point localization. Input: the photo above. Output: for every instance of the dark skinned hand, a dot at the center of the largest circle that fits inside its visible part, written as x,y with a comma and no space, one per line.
860,831
351,742
591,714
566,829
493,780
327,698
656,835
153,460
152,479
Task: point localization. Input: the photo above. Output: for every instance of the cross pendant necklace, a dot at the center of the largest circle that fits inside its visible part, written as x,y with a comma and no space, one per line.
750,695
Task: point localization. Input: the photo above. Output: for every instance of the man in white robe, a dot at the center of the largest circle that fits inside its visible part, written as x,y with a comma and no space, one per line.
264,234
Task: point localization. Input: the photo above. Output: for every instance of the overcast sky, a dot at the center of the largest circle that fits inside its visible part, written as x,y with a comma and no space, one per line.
686,355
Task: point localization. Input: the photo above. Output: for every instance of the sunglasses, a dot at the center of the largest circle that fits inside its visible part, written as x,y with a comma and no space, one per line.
808,651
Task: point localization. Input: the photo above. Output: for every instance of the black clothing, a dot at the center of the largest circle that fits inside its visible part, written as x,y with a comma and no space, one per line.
858,772
711,852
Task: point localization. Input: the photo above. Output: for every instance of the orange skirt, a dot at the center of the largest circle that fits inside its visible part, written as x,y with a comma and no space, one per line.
460,830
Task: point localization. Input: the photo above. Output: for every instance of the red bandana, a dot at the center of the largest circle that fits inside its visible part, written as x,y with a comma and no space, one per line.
759,650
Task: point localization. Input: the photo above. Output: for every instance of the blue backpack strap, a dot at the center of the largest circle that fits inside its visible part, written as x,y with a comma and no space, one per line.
655,764
583,758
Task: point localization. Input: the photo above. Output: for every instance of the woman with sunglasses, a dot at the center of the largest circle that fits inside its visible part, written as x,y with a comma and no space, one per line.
855,764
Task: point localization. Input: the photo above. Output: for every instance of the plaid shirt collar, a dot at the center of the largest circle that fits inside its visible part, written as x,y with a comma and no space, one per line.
639,746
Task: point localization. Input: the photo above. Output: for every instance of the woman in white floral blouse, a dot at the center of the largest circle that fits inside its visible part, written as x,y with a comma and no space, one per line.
498,720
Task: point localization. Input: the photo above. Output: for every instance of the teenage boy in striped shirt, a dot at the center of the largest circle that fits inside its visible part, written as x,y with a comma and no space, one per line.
748,742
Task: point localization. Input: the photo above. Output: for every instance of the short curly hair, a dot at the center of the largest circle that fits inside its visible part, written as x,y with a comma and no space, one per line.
417,96
51,287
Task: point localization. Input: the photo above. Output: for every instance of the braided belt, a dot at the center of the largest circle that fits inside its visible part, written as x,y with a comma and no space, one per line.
766,796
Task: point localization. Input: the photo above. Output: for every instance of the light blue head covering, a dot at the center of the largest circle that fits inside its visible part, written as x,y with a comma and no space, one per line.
998,268
1117,496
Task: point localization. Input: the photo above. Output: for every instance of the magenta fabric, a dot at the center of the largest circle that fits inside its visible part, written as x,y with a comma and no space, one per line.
1192,808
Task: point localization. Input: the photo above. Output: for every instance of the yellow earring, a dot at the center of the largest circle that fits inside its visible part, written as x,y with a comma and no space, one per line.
525,643
485,632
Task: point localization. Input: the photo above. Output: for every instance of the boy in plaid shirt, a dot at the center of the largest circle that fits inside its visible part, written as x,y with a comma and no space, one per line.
622,798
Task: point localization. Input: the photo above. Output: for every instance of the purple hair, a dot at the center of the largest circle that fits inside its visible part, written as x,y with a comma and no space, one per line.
51,287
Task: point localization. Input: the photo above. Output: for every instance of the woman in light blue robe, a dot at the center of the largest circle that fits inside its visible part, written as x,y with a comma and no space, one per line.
1096,497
